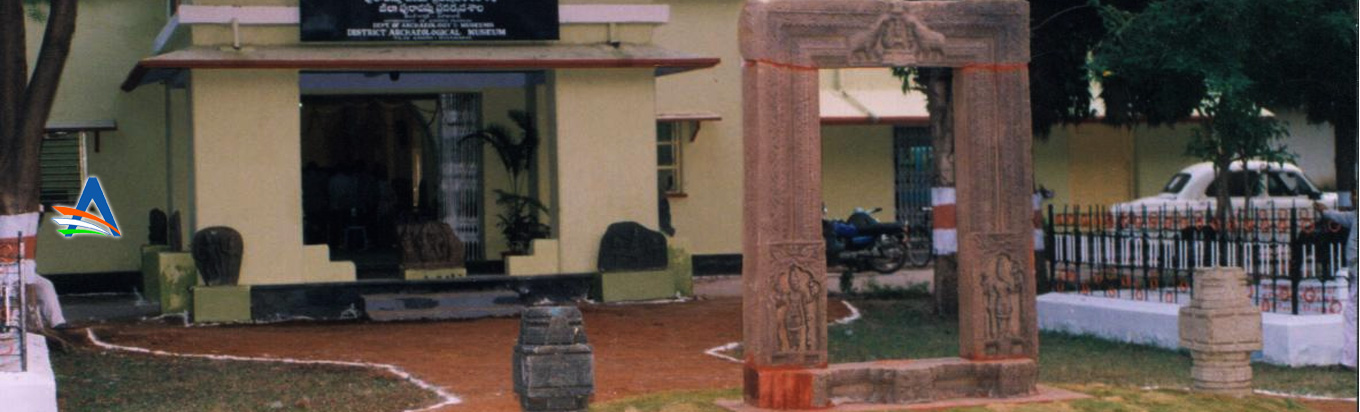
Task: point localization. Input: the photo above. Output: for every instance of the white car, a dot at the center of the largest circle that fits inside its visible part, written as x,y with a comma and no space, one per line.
1276,189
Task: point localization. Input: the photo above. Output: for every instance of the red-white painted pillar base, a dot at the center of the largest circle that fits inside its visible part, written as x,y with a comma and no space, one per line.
18,250
945,234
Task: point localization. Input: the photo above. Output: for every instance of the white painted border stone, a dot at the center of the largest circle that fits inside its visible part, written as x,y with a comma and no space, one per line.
1289,340
35,390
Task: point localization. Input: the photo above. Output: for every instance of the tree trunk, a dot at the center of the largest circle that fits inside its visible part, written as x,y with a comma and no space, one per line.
13,76
939,102
24,106
22,161
1222,207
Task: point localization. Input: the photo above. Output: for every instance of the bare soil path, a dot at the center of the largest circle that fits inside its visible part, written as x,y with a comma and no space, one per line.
638,348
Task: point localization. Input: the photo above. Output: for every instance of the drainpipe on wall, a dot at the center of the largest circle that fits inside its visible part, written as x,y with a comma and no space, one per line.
840,89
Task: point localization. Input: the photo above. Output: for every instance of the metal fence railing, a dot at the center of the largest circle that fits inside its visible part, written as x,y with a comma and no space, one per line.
1151,255
13,308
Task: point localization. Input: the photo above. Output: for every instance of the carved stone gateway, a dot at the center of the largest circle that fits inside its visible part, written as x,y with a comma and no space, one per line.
784,43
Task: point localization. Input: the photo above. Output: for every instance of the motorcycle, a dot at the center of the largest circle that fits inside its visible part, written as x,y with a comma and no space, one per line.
862,242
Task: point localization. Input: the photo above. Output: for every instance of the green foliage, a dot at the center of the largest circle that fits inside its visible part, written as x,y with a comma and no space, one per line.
519,219
516,153
908,329
1182,57
31,7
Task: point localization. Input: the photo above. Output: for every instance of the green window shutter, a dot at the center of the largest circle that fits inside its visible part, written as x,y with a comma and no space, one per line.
63,168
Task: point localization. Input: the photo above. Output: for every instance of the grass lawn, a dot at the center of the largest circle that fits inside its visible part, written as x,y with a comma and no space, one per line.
906,329
1112,373
94,380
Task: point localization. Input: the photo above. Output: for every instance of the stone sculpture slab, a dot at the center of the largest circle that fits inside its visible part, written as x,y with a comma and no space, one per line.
629,246
430,245
159,226
217,254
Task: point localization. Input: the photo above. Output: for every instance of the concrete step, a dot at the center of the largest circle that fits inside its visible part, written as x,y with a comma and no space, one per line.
444,313
451,305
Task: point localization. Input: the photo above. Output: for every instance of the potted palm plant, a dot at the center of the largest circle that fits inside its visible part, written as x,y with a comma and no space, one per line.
519,218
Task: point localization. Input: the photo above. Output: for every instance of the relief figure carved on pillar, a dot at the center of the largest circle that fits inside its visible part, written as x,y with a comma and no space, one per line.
1003,283
796,308
797,297
896,32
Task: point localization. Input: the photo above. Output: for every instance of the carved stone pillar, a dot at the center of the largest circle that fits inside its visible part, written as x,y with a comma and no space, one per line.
784,272
997,318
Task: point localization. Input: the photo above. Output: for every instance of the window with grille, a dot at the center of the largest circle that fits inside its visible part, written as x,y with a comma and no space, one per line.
62,160
669,178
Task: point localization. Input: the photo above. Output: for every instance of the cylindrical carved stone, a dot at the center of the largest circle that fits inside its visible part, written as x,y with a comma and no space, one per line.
553,363
217,253
1221,328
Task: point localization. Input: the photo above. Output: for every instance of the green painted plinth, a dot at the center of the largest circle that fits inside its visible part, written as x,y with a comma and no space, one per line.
151,271
682,270
177,275
441,273
221,304
626,286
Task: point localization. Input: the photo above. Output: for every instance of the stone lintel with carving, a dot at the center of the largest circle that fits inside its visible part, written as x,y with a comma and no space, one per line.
881,33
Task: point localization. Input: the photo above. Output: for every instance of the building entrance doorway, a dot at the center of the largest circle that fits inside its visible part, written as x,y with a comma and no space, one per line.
384,149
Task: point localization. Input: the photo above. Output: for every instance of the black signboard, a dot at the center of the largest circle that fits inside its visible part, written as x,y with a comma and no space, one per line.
428,20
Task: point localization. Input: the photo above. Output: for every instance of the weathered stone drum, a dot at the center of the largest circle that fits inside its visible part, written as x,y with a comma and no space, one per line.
553,362
1221,328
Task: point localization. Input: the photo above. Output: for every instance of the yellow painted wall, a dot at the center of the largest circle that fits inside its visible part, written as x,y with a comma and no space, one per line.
1160,154
1099,164
857,170
129,158
1100,159
247,162
1050,166
710,215
605,159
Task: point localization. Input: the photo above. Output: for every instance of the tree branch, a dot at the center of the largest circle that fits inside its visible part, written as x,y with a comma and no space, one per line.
37,105
13,72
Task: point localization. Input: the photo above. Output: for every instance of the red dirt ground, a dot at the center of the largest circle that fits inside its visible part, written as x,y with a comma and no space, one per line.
639,349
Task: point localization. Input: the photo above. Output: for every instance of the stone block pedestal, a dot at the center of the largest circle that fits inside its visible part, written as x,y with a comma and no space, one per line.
167,278
222,304
888,383
553,363
1221,328
151,271
626,286
430,274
